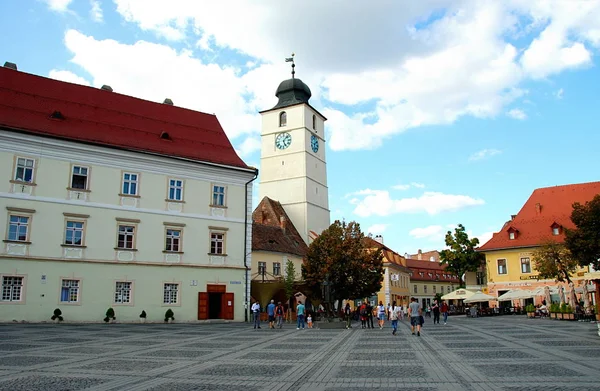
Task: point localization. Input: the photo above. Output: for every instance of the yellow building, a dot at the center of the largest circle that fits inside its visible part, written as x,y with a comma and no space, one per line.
396,278
509,253
428,278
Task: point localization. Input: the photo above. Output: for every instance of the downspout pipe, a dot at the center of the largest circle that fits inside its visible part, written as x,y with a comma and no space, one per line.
246,253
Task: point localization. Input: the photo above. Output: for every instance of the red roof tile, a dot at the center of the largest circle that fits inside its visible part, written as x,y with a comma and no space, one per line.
272,230
546,206
389,255
431,271
100,117
426,256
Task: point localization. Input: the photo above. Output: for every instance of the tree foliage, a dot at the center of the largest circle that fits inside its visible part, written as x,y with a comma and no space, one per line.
584,241
554,260
461,256
340,258
290,278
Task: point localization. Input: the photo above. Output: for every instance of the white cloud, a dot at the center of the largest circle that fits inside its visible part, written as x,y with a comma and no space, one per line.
483,154
67,76
377,228
432,232
401,187
517,114
418,185
58,5
379,203
96,11
248,146
484,237
408,186
559,94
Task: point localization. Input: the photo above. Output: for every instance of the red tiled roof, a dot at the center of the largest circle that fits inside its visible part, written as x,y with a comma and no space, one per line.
545,206
389,255
100,117
426,256
271,233
432,271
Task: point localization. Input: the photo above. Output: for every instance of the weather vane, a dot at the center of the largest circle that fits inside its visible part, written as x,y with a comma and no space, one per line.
291,59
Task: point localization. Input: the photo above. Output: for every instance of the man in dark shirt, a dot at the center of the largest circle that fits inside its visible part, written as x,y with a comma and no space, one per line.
369,315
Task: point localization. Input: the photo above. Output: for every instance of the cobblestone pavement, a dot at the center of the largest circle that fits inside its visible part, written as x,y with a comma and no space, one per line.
500,353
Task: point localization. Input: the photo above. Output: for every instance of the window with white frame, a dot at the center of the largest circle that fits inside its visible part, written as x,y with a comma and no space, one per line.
502,266
217,243
218,195
126,237
555,231
434,289
415,289
262,268
12,288
511,235
173,240
18,228
24,169
170,293
69,292
525,265
79,177
130,183
74,233
276,268
282,119
449,289
122,292
424,288
175,190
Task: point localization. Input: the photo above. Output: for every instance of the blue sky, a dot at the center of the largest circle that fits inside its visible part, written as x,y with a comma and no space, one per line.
440,112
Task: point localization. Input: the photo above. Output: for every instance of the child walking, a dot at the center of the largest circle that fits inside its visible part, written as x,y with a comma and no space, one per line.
309,321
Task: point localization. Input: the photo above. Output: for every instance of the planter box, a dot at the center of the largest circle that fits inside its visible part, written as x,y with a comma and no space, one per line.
531,314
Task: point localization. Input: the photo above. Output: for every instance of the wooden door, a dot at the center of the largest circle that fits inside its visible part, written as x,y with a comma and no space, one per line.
202,305
227,306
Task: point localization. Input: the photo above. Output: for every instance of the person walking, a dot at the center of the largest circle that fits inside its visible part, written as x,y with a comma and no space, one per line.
444,311
279,311
415,312
381,315
271,314
370,315
394,314
348,315
436,312
363,315
300,313
256,314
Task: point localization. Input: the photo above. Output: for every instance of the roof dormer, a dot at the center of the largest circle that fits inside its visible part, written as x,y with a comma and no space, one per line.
512,233
556,229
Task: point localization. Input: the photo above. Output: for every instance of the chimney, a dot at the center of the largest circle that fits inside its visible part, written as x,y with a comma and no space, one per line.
10,65
419,255
282,223
168,101
379,239
512,217
538,209
106,87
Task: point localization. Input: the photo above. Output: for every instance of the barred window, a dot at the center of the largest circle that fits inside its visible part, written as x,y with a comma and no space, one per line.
171,293
123,292
12,288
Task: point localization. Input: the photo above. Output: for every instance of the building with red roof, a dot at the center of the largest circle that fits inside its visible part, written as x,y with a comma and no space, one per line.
428,277
543,218
117,202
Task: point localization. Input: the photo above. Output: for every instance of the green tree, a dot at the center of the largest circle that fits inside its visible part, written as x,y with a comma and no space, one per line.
461,256
584,241
340,266
290,279
554,260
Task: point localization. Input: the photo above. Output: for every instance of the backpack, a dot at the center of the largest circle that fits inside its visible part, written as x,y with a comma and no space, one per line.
363,312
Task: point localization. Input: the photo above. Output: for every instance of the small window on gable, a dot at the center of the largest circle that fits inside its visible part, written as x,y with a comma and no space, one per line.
556,228
282,119
314,122
511,235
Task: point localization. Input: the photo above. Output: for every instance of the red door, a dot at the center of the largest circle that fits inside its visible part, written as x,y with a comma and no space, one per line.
227,306
202,305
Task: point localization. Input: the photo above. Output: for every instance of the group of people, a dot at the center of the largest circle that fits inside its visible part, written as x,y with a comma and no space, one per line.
276,314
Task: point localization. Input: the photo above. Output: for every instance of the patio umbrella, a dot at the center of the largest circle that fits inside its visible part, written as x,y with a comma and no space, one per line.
547,295
572,296
585,295
458,294
561,294
479,297
515,294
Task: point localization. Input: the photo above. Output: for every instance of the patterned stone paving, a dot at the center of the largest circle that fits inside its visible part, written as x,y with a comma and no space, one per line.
499,353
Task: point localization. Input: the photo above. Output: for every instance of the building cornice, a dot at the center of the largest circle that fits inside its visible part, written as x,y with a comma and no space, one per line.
21,143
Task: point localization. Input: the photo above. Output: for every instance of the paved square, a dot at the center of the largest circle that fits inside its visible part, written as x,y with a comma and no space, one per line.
500,353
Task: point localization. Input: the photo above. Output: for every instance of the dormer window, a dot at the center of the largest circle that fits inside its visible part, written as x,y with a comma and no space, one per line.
556,228
512,233
282,119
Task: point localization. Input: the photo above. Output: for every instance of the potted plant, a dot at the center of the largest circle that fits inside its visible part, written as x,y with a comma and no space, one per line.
563,311
554,310
57,317
143,317
569,313
530,309
169,315
110,316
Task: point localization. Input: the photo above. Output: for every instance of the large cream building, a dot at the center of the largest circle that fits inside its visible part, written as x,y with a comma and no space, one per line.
115,202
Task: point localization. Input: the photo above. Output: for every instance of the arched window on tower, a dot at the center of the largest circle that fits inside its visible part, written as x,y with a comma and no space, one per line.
314,122
282,119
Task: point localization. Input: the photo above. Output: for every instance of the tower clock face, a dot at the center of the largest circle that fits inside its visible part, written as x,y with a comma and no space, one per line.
314,143
283,140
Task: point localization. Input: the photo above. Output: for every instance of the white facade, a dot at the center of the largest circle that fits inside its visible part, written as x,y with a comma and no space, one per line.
87,228
294,168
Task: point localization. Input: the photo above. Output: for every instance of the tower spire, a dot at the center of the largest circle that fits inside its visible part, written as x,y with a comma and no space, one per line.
291,59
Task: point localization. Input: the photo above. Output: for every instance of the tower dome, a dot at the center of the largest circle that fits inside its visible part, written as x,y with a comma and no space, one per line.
291,92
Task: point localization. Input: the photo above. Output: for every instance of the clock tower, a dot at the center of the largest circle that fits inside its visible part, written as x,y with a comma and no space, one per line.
292,163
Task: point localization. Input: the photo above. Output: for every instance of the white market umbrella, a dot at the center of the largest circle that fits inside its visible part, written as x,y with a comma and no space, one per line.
479,297
515,294
459,294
